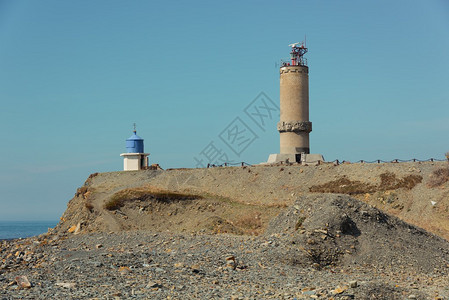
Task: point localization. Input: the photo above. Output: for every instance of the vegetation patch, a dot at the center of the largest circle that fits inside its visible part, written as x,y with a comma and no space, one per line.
344,186
89,206
388,181
146,193
219,225
81,191
250,223
439,177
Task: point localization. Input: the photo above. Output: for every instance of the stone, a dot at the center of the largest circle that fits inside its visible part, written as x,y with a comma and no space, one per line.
195,268
154,284
78,228
310,241
72,229
97,264
124,270
67,285
353,284
23,282
231,262
98,246
309,292
339,290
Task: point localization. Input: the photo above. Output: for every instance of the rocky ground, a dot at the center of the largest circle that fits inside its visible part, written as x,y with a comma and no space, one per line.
282,232
324,246
148,265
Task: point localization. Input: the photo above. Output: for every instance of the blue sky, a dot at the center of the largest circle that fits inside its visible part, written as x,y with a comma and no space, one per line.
75,76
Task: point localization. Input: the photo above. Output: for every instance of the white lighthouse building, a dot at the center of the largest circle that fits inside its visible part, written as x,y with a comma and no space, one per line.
135,158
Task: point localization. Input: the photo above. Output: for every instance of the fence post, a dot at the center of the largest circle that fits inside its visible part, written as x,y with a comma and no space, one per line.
243,164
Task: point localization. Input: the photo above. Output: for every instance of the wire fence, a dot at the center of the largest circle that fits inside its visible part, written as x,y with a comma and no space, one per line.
379,161
336,162
229,164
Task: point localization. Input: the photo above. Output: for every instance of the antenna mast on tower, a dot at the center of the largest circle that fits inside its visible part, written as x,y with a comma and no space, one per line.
297,53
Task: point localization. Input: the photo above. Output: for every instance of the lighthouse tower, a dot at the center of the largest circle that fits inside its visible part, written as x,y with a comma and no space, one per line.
294,125
134,158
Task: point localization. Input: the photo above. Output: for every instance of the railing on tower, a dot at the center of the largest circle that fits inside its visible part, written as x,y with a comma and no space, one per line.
296,55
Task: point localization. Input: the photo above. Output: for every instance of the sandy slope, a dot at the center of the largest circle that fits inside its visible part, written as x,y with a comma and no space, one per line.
258,191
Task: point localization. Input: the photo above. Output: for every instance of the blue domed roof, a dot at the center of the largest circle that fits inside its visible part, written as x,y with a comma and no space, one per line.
134,144
134,137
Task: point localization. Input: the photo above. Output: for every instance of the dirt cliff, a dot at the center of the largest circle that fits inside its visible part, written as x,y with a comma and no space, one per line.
242,200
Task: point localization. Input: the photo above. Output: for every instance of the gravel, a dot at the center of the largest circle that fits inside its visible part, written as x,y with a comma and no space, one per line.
161,265
320,246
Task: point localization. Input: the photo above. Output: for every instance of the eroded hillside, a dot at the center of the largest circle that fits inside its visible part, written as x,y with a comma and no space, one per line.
242,200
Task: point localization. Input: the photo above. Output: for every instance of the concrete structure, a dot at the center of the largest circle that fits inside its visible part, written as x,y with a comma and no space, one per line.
294,125
134,158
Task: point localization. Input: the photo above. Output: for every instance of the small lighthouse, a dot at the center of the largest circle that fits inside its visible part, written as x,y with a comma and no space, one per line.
135,158
294,125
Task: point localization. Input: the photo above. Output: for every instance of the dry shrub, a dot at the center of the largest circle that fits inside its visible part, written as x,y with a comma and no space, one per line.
220,225
250,222
89,179
81,191
92,175
148,193
439,177
89,206
389,181
343,186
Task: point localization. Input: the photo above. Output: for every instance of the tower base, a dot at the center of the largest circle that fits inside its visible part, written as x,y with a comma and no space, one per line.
310,159
135,161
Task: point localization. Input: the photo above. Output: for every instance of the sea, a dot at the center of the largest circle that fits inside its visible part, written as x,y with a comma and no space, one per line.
22,229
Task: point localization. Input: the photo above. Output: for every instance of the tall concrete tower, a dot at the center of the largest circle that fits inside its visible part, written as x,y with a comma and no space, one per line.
294,125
